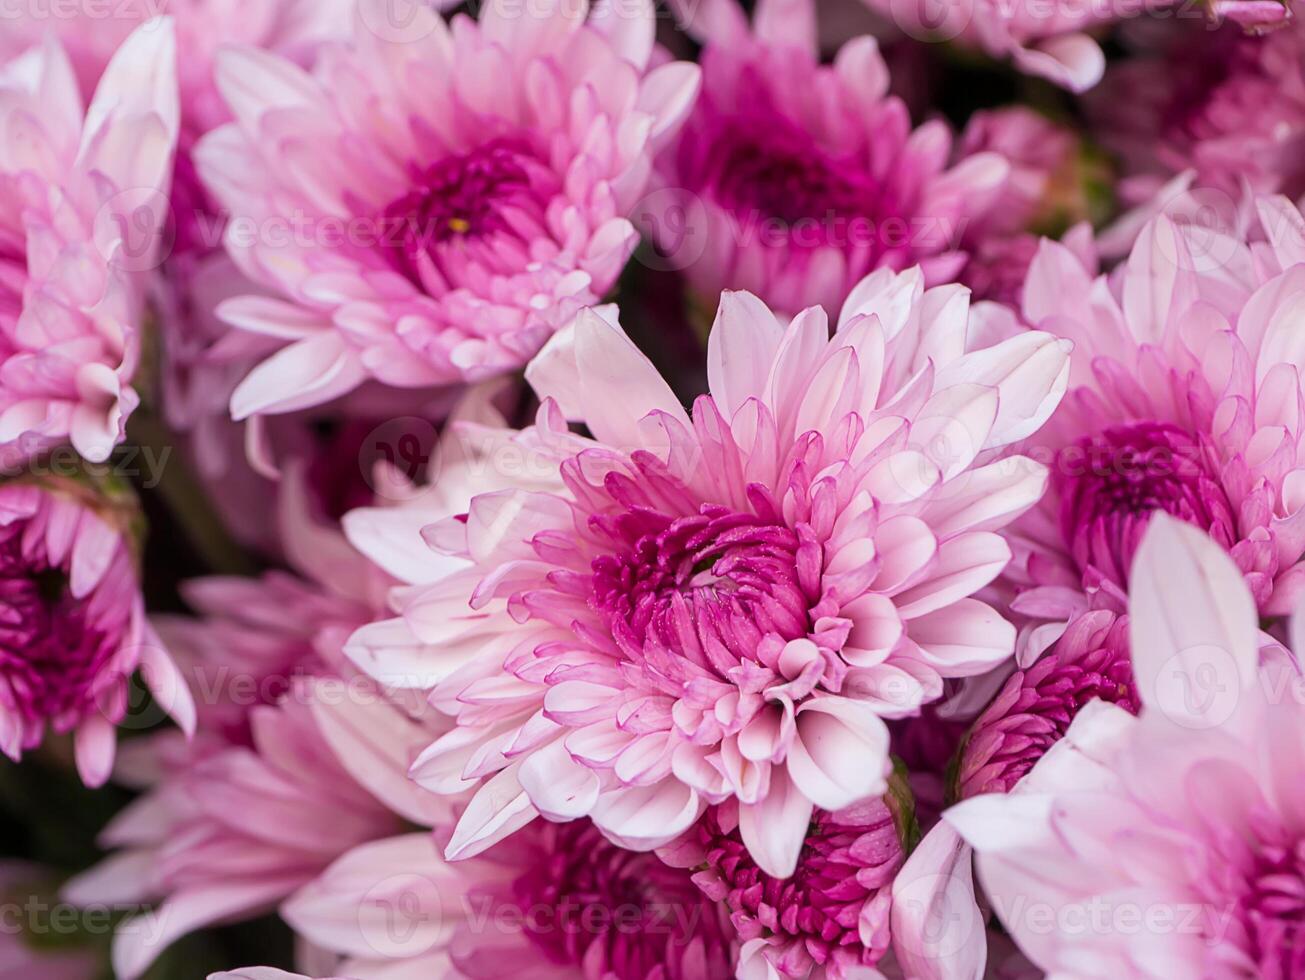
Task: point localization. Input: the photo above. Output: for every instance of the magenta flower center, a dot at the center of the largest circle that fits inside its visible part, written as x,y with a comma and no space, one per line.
196,221
1110,484
494,194
1256,894
53,648
821,912
769,171
783,185
1035,707
618,914
707,587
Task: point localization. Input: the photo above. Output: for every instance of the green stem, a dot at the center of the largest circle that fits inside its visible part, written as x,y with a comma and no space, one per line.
187,499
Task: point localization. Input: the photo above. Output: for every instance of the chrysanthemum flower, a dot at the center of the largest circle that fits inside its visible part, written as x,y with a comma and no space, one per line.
1038,703
937,926
793,179
1055,40
1167,844
91,34
553,900
231,834
1228,107
82,206
687,609
432,209
73,631
282,776
1184,398
829,920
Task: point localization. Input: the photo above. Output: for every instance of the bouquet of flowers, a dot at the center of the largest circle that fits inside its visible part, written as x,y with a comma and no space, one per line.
591,490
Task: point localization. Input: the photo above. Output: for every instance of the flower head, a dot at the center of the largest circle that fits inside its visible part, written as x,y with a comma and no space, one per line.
229,834
1055,40
686,609
1227,106
1184,399
1037,704
793,179
74,630
1189,814
831,916
431,209
81,210
556,900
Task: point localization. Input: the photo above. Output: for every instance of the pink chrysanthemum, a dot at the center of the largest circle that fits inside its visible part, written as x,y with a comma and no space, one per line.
553,900
74,631
432,209
830,918
283,775
92,34
1227,106
230,834
1184,398
1037,704
1054,40
82,203
687,609
937,925
794,180
1182,825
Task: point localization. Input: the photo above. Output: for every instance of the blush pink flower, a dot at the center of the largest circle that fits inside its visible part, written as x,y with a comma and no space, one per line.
557,901
295,759
431,209
1038,703
1056,40
1184,399
830,918
793,179
74,632
91,35
1189,815
686,609
82,206
230,834
1224,105
937,925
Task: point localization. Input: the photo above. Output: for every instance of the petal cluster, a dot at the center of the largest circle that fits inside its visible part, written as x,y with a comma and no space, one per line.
793,179
83,202
431,209
1184,399
73,632
688,609
1185,815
